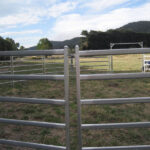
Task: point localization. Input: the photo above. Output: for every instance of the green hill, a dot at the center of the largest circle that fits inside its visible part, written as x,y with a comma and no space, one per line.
139,27
60,44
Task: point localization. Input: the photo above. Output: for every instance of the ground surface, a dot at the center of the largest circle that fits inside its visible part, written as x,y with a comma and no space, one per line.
90,114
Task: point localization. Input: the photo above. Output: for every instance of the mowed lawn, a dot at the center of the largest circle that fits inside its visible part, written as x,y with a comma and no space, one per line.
90,114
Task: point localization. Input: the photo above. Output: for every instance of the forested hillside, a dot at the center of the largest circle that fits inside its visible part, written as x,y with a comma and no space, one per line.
102,40
139,27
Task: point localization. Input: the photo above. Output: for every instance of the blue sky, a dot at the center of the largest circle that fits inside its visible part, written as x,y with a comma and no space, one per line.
27,21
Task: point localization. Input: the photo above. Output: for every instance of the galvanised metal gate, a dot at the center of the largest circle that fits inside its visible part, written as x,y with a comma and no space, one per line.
28,65
108,76
10,67
64,101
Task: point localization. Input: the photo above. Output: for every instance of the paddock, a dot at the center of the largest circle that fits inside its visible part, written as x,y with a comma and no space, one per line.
43,89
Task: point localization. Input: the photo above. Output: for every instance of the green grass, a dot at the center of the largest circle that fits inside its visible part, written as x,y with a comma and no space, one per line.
121,63
90,114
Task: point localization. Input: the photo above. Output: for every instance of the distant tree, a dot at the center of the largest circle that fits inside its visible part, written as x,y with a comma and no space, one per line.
44,44
84,33
22,47
7,45
14,45
84,39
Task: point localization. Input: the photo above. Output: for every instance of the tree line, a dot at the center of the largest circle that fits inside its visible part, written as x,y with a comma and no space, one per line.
90,40
8,44
101,40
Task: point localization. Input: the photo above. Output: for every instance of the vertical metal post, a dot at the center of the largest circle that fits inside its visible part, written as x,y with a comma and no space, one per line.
71,61
143,59
109,61
111,58
12,68
66,85
43,65
77,60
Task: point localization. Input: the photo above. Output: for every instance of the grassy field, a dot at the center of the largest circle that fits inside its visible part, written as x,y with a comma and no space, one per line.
90,114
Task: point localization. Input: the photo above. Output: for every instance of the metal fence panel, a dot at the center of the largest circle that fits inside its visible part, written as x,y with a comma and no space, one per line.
114,52
32,52
64,101
32,100
116,101
31,145
139,147
109,76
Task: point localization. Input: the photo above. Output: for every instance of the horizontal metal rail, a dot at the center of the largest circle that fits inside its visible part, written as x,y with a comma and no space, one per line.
28,70
32,123
98,69
32,52
94,65
5,72
28,65
32,100
127,43
58,58
116,125
11,82
53,63
111,76
55,72
136,147
39,59
4,67
31,145
114,51
31,77
5,61
27,60
116,101
91,61
94,57
55,68
5,83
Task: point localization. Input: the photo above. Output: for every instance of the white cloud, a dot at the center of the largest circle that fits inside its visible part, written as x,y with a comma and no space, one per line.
23,18
21,33
58,9
99,5
70,26
67,18
28,41
17,12
10,8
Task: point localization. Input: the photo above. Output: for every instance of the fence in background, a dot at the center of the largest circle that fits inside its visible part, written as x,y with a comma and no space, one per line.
64,101
96,63
31,65
109,76
133,43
